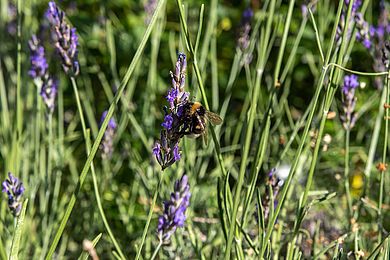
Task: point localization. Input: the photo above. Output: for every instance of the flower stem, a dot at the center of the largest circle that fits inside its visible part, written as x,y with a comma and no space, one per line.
382,173
156,250
346,174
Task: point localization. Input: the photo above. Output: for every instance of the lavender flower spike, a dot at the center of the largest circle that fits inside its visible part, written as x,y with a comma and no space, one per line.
38,61
174,210
348,116
273,183
178,78
245,29
65,39
14,190
107,145
167,150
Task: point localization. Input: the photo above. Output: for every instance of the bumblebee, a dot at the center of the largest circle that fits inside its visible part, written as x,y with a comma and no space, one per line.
195,118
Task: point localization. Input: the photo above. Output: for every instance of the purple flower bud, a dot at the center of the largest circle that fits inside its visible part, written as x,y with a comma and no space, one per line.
14,190
168,120
49,92
157,150
176,153
174,210
172,95
178,78
107,145
38,61
348,115
149,7
11,24
245,29
65,40
350,82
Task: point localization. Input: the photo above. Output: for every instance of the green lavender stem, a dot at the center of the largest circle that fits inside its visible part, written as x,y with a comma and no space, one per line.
156,250
382,173
346,174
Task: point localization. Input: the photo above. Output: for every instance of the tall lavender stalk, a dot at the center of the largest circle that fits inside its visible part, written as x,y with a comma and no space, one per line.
166,150
65,39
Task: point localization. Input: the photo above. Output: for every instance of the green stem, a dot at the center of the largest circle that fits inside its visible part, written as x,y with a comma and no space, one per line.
156,250
346,174
146,228
374,142
357,72
382,173
104,125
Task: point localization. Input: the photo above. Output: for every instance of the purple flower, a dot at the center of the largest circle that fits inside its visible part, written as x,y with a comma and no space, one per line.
379,34
350,82
355,6
12,19
178,78
348,115
65,39
107,145
168,120
176,153
174,210
149,7
49,92
111,122
38,61
363,30
273,184
157,150
171,97
14,190
245,29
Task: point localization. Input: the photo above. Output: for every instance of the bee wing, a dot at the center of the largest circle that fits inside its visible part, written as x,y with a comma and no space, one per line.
205,139
214,118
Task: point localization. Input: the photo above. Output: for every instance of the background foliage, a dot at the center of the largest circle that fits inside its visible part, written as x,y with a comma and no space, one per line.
109,35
